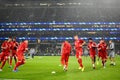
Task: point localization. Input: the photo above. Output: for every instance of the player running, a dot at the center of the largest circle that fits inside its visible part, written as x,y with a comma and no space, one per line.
65,52
79,51
102,51
112,52
92,51
20,54
6,50
14,50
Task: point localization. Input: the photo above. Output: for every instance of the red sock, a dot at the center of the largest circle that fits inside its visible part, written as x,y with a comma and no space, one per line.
10,60
15,59
62,62
3,63
17,65
66,63
80,62
103,63
22,63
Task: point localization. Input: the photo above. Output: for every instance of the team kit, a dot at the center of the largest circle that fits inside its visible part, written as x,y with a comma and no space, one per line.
12,49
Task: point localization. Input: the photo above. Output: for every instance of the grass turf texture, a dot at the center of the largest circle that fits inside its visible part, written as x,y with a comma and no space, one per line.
40,68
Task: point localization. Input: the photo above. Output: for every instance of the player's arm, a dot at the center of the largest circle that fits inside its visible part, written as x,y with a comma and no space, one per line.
26,49
3,46
99,48
82,44
94,45
62,48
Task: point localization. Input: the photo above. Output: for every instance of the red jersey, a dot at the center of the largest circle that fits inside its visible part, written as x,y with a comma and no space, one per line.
92,46
66,48
78,43
102,47
22,47
102,50
6,46
14,45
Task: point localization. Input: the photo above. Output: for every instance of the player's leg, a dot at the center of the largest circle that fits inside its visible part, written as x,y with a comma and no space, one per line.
1,57
63,59
11,56
112,58
15,59
18,63
66,61
105,57
93,61
23,61
32,55
98,58
3,62
80,61
103,62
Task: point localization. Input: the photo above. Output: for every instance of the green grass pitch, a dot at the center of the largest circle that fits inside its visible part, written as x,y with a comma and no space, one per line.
40,68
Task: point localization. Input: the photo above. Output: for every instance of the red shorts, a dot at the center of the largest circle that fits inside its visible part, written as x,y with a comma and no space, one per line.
92,55
102,55
65,57
20,56
99,54
13,53
79,53
4,56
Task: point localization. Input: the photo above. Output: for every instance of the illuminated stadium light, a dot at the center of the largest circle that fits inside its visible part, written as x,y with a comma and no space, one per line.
61,38
60,29
64,23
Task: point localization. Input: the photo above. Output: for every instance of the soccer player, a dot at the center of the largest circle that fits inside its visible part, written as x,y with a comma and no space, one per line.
65,52
102,51
6,50
79,51
112,52
14,50
20,54
92,51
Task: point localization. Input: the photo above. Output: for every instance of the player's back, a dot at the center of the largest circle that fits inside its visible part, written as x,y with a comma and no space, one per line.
7,46
67,47
22,47
14,45
78,43
91,47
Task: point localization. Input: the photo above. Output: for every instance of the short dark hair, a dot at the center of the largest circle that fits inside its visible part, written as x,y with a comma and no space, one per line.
90,39
102,38
10,37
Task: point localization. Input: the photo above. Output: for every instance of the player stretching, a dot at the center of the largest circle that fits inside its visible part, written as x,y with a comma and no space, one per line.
79,51
6,50
65,52
20,54
92,50
112,52
14,50
102,51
